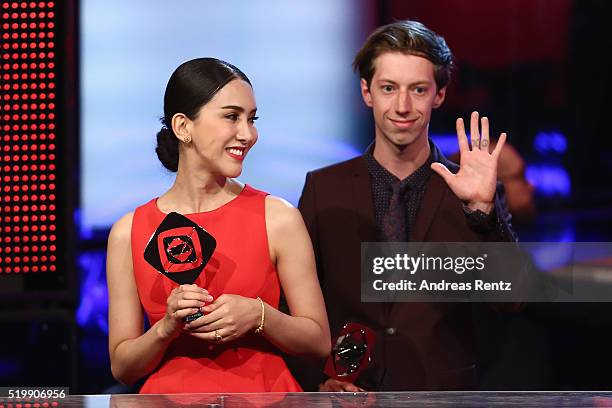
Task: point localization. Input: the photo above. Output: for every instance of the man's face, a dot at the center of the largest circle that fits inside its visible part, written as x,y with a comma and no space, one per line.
402,94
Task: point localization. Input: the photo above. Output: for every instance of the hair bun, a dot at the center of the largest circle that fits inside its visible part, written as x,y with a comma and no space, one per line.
167,149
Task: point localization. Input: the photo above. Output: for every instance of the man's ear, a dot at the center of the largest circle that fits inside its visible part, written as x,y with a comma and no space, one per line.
439,98
181,126
365,93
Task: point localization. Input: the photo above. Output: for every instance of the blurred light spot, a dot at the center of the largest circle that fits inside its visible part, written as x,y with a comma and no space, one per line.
550,142
446,143
549,180
93,297
554,255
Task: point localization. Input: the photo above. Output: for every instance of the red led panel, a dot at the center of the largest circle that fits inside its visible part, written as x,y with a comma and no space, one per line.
28,152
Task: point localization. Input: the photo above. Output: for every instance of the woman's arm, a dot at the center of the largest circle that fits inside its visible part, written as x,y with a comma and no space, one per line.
133,353
306,330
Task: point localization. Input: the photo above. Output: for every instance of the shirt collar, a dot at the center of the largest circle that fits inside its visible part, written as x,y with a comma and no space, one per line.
414,181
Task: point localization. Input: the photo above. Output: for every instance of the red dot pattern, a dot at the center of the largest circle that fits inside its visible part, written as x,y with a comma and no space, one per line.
28,403
28,149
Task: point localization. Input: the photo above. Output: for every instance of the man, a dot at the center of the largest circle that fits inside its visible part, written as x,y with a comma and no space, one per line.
403,189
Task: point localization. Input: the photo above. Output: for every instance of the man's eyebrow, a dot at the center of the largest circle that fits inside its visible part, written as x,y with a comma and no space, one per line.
418,82
386,80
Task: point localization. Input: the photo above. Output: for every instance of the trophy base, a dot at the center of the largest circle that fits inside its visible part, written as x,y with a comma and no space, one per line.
192,317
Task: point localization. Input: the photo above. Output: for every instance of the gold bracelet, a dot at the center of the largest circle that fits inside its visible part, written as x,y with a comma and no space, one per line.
263,317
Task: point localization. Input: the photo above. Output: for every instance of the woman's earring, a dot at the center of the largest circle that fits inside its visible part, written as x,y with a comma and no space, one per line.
187,140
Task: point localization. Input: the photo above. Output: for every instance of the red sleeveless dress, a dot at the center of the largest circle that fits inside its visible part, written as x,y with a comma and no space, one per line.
240,265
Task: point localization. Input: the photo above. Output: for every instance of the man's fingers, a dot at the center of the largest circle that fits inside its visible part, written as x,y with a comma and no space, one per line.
442,171
500,145
474,133
461,136
484,137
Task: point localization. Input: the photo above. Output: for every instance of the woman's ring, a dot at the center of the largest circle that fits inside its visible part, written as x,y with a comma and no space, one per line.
218,337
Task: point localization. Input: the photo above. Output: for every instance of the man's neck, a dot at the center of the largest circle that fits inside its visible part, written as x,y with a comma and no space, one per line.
402,163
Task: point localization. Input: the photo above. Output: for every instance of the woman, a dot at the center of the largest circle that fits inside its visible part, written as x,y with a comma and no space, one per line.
262,246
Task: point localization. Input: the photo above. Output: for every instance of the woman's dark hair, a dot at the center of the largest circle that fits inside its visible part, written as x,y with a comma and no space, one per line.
191,86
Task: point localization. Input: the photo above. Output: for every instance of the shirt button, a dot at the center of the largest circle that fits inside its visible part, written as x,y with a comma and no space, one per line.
391,331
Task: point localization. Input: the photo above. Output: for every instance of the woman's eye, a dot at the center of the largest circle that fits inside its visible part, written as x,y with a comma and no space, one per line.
233,117
253,119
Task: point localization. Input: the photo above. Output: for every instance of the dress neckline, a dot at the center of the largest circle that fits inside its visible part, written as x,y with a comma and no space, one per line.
246,186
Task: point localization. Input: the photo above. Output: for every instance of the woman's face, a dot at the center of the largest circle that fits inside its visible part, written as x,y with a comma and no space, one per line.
224,130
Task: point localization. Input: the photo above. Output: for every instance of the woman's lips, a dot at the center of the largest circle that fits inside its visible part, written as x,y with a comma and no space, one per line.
236,153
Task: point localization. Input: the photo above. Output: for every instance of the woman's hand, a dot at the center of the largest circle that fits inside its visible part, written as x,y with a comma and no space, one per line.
183,301
227,318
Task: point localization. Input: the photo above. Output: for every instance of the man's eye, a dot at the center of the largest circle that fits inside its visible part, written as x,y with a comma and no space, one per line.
387,88
419,90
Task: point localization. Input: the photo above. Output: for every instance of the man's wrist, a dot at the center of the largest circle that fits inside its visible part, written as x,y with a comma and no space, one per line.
485,207
479,220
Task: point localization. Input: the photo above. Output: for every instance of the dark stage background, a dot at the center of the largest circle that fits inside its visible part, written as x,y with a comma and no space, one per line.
535,67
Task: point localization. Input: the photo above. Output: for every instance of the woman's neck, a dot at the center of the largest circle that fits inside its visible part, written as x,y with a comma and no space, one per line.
198,191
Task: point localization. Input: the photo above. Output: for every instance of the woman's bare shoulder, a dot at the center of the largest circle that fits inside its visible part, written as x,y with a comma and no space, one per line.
122,229
280,212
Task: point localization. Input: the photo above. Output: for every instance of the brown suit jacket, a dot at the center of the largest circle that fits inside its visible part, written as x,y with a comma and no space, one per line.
421,346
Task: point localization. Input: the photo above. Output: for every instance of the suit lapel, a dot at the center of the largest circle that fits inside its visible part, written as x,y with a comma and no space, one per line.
363,202
434,193
363,205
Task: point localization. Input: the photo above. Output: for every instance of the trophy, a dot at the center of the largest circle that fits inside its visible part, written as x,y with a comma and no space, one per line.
180,249
351,352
